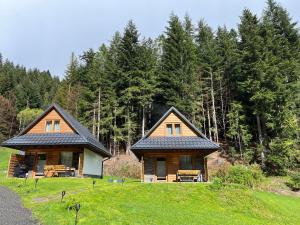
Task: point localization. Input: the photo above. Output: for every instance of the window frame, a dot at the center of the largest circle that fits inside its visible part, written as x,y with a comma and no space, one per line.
169,125
186,166
51,126
56,131
179,125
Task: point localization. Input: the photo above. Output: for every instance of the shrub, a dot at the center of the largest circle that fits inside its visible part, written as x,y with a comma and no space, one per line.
294,184
245,175
278,157
249,176
217,184
71,202
123,166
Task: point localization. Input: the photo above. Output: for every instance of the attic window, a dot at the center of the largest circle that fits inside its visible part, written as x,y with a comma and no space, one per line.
177,129
56,126
169,129
48,126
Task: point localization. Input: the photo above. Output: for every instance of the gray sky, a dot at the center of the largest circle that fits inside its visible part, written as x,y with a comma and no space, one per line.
43,33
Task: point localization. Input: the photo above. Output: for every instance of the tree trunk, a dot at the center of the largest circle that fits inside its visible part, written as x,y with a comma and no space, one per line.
214,109
203,115
222,109
240,144
99,114
115,127
128,145
208,118
261,140
94,120
143,121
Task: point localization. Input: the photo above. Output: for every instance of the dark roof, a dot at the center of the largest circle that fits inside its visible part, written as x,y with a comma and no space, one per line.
170,143
46,139
82,136
198,142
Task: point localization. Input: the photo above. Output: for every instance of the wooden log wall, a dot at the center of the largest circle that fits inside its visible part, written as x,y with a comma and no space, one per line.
15,159
172,119
40,127
172,164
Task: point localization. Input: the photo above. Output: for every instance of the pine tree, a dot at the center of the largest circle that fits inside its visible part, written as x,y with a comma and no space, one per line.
177,75
251,77
208,61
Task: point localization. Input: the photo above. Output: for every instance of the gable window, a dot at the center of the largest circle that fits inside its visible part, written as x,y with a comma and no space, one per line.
177,129
48,126
169,129
56,126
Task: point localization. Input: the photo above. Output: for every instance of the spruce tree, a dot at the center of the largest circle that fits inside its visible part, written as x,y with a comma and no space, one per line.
177,75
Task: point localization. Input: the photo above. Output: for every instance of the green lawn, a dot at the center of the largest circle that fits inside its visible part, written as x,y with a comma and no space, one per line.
136,203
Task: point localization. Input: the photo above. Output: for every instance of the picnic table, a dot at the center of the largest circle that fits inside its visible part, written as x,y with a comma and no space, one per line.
58,171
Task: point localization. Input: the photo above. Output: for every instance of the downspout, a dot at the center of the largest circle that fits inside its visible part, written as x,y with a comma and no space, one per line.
102,166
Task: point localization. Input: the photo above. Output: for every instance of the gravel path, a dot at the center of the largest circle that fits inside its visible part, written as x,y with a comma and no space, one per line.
11,210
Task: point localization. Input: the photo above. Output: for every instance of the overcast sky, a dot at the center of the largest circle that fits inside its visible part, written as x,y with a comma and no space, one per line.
44,33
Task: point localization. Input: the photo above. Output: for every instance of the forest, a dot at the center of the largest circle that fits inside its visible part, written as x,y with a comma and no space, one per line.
240,86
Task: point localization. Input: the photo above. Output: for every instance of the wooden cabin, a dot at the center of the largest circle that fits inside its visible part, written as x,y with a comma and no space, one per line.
174,150
56,144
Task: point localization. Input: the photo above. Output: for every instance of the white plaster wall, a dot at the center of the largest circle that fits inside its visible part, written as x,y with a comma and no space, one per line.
92,163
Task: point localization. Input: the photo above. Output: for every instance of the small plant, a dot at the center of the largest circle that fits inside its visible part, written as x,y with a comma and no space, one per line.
94,182
294,184
77,208
71,202
217,184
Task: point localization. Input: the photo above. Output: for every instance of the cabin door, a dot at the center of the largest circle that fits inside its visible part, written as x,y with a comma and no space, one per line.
161,172
41,162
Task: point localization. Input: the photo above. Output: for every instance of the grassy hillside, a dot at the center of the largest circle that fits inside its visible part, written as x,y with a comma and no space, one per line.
136,203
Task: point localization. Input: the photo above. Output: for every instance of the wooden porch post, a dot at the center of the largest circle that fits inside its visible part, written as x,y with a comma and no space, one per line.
142,169
80,164
205,169
9,166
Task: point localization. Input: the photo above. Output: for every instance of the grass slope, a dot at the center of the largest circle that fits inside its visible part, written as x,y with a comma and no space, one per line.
136,203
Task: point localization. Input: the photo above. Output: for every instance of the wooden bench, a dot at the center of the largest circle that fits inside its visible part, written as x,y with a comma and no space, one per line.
188,175
57,170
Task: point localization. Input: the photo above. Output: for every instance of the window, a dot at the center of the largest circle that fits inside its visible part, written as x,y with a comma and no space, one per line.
56,126
186,162
169,129
48,126
66,158
177,129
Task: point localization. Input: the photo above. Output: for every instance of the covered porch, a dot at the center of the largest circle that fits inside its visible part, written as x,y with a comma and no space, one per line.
174,166
55,161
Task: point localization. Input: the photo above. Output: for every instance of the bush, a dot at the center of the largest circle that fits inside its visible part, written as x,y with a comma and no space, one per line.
217,184
245,175
248,176
123,166
294,184
278,157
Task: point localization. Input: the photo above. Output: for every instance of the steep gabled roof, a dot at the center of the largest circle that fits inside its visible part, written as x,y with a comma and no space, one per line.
181,116
82,135
175,142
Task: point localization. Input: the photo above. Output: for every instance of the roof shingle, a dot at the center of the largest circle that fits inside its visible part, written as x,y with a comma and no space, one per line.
176,143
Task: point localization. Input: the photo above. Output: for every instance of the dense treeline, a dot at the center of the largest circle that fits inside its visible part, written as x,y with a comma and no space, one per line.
240,87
